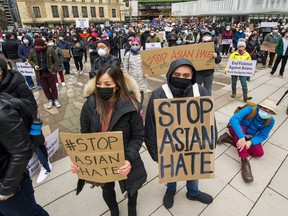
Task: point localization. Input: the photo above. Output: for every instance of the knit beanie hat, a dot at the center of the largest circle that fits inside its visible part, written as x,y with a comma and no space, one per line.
136,40
39,42
104,42
241,42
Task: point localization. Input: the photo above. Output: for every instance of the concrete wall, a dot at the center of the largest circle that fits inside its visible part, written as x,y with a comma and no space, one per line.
230,7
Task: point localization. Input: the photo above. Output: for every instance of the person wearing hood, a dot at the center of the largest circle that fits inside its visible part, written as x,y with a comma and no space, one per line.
112,105
78,49
237,36
23,53
181,81
274,37
144,37
64,45
172,37
249,128
132,65
206,77
104,59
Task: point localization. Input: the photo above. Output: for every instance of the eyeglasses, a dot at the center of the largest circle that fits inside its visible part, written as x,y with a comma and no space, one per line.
266,110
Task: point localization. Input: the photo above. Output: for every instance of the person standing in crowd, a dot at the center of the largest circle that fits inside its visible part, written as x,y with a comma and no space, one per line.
144,36
179,41
274,37
84,38
189,38
121,41
59,53
64,46
10,49
240,54
23,53
237,36
153,38
227,34
206,76
92,48
104,59
45,62
253,47
132,65
16,190
172,38
181,81
282,55
78,49
110,106
248,133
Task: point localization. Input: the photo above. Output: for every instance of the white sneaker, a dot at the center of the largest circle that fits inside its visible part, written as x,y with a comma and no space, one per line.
57,103
44,174
50,104
57,84
63,84
81,72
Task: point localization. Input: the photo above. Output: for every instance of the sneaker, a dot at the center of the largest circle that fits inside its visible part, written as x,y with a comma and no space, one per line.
78,72
44,174
63,84
168,199
201,197
31,87
57,84
50,104
39,87
81,72
280,76
57,103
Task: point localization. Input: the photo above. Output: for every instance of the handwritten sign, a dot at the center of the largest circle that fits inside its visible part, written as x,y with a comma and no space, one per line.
82,22
241,67
66,53
266,46
25,70
269,24
185,138
98,155
168,29
155,62
52,145
151,46
226,41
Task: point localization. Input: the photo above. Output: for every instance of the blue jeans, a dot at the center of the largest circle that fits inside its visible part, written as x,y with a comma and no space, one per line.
192,187
67,67
30,82
23,203
243,82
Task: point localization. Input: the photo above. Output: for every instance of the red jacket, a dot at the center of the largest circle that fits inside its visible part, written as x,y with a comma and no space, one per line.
227,35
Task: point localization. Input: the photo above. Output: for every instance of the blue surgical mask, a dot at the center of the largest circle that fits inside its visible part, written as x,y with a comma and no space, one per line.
264,115
178,42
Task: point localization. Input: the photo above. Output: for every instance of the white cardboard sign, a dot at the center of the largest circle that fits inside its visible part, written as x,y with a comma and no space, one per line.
151,46
82,22
25,70
241,67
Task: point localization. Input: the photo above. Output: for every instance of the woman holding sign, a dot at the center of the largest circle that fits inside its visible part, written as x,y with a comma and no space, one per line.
112,105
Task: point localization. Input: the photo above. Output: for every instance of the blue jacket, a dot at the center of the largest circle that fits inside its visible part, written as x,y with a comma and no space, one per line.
237,36
254,126
64,45
24,50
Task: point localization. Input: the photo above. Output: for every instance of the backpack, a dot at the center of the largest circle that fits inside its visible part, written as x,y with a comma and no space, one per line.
22,106
253,113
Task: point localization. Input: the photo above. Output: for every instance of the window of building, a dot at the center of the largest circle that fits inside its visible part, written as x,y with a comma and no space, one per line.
73,0
114,13
101,11
37,12
75,11
64,0
83,0
109,1
84,12
92,1
93,11
100,1
65,11
55,12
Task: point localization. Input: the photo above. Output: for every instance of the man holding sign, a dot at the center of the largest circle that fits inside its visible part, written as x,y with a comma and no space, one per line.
181,83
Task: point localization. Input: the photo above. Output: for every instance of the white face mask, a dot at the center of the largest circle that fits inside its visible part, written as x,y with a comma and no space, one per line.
102,52
135,48
61,38
152,34
26,41
275,31
50,44
264,115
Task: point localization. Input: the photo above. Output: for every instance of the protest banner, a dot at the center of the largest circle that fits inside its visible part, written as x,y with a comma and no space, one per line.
185,138
66,53
226,41
98,155
155,62
151,46
82,22
269,24
25,70
266,46
168,29
241,67
52,145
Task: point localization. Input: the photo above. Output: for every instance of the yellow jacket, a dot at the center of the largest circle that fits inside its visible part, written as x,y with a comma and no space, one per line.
237,56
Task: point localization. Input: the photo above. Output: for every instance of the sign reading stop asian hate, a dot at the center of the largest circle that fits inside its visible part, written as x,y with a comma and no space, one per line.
155,62
98,155
185,138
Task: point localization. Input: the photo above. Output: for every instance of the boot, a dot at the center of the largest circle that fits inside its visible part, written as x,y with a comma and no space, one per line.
245,95
225,138
168,199
114,211
132,210
246,170
233,93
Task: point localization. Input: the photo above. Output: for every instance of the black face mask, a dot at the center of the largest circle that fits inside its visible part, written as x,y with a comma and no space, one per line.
105,93
180,83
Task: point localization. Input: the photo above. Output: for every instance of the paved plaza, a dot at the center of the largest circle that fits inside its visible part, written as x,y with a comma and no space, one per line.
266,196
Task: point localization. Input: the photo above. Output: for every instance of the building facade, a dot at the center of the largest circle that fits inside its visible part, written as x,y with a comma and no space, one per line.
248,10
3,23
64,12
7,13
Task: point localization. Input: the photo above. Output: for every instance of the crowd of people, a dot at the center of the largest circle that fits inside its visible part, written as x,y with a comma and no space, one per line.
115,96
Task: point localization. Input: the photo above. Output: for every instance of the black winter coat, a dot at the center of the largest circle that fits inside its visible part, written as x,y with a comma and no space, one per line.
101,62
126,119
15,149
